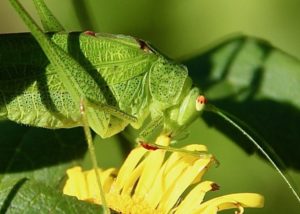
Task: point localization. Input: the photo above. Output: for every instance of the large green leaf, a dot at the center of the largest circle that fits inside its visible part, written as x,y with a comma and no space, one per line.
38,153
33,162
260,85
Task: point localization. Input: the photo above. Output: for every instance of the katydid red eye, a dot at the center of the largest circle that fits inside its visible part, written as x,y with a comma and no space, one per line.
200,102
201,99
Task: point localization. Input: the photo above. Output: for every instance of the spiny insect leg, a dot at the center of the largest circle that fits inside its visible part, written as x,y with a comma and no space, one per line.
164,141
49,22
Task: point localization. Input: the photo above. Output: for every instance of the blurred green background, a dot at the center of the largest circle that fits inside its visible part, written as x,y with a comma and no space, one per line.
186,28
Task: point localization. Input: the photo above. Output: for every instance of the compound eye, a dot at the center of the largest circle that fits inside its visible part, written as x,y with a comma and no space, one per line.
200,102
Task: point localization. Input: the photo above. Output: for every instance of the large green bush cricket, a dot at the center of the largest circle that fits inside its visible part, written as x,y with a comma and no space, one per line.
164,89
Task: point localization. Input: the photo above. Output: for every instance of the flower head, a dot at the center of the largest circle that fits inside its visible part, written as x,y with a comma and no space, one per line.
153,182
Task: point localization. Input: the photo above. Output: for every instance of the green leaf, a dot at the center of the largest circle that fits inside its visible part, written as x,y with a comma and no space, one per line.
37,153
260,85
33,162
27,196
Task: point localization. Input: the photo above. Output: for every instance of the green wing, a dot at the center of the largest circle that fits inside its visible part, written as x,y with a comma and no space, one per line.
25,72
116,58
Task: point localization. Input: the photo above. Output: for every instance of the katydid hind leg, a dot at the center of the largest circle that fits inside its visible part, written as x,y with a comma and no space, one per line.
71,73
63,62
48,20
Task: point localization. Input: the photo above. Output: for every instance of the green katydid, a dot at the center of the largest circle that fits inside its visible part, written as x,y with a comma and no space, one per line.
99,81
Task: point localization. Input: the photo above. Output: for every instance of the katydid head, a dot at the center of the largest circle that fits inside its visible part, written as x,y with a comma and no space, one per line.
174,97
182,115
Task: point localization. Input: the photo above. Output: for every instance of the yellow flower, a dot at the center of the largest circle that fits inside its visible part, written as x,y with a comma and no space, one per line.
153,182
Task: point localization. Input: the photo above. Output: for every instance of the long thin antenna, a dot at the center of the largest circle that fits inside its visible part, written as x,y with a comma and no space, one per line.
227,116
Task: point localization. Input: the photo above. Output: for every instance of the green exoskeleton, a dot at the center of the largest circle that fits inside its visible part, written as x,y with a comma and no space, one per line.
121,79
100,81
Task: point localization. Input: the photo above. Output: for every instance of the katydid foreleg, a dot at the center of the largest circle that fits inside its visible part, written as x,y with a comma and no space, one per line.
89,140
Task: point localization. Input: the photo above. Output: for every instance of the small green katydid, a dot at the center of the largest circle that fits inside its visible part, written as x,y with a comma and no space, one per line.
99,81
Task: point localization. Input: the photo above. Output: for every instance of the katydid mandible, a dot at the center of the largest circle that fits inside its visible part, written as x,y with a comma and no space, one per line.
102,81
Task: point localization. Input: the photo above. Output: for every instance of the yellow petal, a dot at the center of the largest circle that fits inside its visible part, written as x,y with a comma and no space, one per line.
76,184
132,179
231,201
182,183
106,177
169,173
164,179
167,176
150,183
195,197
83,184
152,166
129,165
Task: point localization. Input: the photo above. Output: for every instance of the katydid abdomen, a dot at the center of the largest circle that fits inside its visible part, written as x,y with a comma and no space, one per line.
131,76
